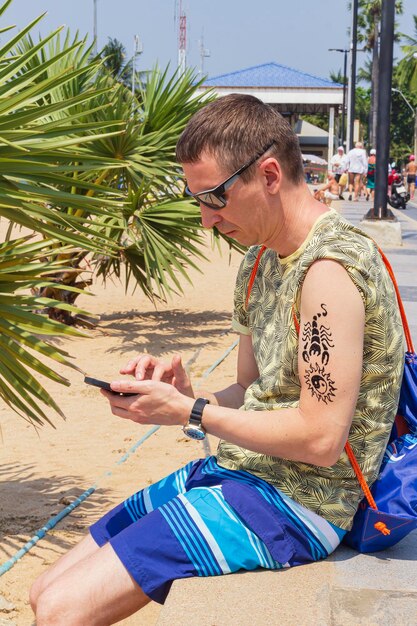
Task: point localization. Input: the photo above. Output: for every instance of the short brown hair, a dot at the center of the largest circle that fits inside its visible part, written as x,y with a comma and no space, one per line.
234,128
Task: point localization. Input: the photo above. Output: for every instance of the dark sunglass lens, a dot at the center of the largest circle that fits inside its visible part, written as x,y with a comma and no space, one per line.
211,200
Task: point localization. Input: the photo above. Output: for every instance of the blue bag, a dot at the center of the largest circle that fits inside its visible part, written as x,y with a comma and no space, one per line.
389,510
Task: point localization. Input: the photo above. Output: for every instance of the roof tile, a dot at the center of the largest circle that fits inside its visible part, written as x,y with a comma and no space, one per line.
269,75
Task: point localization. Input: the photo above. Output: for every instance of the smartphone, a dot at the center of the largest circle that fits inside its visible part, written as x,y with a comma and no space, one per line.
103,385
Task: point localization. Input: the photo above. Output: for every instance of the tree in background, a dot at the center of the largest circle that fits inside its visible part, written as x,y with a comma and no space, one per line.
114,61
369,20
90,170
337,77
407,67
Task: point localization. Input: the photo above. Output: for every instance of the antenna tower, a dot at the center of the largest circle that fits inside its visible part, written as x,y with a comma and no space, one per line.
182,39
204,53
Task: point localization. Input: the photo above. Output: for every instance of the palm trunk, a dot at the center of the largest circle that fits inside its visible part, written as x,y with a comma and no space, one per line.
375,82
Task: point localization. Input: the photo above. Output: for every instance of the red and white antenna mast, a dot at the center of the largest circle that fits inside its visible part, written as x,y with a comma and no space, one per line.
182,40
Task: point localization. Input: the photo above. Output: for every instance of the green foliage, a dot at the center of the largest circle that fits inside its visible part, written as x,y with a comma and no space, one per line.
39,137
402,125
89,169
369,15
337,77
22,268
407,67
319,119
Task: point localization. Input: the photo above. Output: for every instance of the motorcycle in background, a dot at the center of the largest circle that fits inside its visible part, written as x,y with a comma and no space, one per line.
399,196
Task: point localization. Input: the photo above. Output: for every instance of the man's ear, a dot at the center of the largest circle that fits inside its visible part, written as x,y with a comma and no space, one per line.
272,173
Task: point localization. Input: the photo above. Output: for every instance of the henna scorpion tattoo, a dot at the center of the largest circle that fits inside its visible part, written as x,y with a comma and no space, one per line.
317,340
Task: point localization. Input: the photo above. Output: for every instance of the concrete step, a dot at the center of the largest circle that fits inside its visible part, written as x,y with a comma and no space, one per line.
346,589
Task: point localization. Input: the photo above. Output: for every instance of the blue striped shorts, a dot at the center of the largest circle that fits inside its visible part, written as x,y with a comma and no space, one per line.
205,520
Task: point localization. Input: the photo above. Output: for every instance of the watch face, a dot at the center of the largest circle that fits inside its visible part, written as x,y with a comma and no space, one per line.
193,432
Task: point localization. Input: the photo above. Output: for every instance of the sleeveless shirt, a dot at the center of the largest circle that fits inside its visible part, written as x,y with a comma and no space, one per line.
332,492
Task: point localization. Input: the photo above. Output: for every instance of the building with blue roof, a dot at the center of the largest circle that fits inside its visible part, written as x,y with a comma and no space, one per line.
291,92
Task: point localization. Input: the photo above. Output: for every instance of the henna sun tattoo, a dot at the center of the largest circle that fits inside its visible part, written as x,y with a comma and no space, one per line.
319,383
317,340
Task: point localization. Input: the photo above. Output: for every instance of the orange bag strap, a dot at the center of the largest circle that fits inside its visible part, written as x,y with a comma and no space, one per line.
360,476
252,280
410,348
253,275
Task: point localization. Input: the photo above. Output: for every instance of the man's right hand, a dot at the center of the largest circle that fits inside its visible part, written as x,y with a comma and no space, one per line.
147,367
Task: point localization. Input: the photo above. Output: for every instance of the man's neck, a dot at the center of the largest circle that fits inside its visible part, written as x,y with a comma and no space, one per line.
300,211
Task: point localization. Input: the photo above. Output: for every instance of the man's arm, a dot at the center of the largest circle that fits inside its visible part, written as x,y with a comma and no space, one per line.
323,187
247,371
330,369
365,162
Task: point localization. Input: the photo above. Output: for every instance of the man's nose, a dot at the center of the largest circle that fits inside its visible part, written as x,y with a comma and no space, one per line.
209,217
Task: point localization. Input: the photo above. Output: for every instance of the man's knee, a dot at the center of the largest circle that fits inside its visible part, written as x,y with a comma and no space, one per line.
53,608
35,591
45,607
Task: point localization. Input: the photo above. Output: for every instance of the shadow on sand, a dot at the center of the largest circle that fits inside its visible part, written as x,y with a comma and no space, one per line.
166,330
39,500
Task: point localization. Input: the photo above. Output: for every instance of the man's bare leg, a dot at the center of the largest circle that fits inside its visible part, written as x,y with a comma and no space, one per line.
97,591
85,548
357,187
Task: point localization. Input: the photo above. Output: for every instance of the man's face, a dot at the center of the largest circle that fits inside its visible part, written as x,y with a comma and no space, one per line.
240,218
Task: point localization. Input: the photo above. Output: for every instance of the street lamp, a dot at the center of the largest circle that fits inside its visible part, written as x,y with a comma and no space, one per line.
414,112
345,52
95,25
352,78
137,49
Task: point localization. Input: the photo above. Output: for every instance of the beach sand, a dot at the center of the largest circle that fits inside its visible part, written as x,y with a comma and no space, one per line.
43,470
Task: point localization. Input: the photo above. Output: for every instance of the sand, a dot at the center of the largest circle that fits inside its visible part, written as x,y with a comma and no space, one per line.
43,470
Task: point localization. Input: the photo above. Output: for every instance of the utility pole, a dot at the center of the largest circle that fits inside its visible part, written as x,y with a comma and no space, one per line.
137,49
182,40
380,209
95,26
352,78
204,54
345,53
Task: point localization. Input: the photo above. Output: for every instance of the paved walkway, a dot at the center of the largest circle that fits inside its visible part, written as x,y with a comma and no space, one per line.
348,589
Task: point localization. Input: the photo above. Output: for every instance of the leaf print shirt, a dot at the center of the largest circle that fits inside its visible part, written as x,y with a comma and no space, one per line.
332,492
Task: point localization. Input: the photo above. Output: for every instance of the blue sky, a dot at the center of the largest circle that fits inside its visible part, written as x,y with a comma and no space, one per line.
237,33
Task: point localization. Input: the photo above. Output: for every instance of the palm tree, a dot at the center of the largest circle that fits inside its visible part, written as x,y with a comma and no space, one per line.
114,56
369,18
91,171
155,230
39,142
407,67
365,72
337,77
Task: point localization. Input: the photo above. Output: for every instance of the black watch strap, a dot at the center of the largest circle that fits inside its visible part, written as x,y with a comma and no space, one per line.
197,412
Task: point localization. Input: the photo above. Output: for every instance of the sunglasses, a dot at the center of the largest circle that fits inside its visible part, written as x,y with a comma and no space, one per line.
214,198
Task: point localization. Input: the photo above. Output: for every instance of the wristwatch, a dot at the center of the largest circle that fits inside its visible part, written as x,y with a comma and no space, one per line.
194,429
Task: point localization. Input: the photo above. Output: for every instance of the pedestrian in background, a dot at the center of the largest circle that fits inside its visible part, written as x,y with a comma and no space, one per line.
411,171
357,166
370,175
338,166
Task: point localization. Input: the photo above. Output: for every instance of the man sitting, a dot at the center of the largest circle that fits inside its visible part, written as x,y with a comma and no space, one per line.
328,192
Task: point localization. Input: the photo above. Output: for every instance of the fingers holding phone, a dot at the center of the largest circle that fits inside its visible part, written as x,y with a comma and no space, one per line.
148,367
105,385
